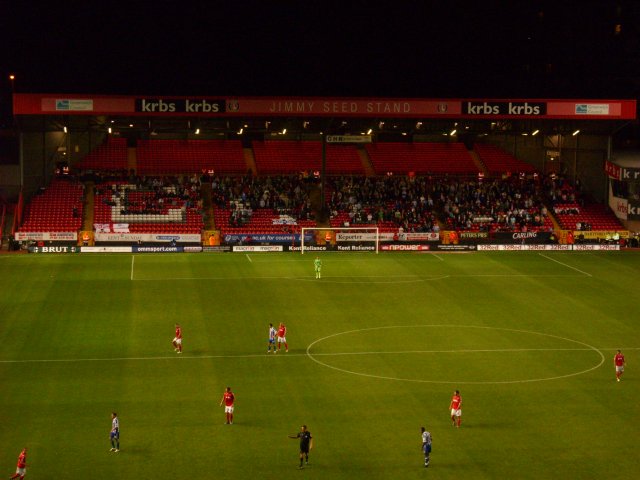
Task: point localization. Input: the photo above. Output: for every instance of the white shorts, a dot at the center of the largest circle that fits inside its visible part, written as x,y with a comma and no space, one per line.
21,471
456,412
282,339
228,409
620,368
177,341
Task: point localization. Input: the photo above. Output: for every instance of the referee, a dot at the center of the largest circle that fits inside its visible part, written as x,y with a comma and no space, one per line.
306,444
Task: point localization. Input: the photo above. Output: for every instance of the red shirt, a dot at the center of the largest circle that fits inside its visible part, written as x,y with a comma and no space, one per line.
282,331
619,359
22,460
178,332
455,402
228,399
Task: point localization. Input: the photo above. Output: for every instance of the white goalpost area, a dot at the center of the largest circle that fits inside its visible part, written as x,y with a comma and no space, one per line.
356,239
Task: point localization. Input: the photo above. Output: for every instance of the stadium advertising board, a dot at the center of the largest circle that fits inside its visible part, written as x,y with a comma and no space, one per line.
356,237
520,237
349,138
596,247
504,237
455,248
216,248
599,234
387,237
266,238
419,237
405,247
55,249
105,249
47,236
473,235
307,248
528,109
355,248
633,210
620,207
55,104
257,248
617,172
156,249
148,237
180,105
503,247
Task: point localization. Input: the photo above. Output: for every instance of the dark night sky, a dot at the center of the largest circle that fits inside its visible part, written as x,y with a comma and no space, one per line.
328,48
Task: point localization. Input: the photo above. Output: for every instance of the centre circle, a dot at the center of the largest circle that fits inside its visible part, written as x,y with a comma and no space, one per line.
428,354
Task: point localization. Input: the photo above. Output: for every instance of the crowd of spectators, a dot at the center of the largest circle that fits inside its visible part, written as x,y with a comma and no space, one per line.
148,194
243,195
514,203
405,202
415,204
412,204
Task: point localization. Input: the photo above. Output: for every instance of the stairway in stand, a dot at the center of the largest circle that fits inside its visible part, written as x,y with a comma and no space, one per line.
478,163
366,162
250,160
88,210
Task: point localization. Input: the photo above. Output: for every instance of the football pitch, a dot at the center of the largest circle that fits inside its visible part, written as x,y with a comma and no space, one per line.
376,349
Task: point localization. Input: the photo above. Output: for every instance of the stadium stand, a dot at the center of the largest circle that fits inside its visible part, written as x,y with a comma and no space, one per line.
573,216
151,205
512,204
389,203
158,157
278,204
275,157
497,161
421,158
416,185
57,208
111,155
573,210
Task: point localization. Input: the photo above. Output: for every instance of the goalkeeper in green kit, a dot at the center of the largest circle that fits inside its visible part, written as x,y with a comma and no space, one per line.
317,263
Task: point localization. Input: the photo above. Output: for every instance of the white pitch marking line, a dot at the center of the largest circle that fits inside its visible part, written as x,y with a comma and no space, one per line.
249,258
382,377
418,277
438,257
133,259
326,354
568,266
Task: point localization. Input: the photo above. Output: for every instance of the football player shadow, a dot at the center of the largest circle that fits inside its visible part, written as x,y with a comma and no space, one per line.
138,450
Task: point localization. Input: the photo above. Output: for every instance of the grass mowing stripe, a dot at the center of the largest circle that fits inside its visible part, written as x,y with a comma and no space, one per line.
321,354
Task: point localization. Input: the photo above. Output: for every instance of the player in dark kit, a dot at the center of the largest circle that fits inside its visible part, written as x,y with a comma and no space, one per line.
306,444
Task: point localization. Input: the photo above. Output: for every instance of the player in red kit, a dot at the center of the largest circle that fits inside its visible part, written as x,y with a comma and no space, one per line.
282,337
456,408
177,340
619,362
22,465
228,398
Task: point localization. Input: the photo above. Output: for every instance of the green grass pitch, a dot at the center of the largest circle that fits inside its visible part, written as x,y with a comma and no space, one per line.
376,348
